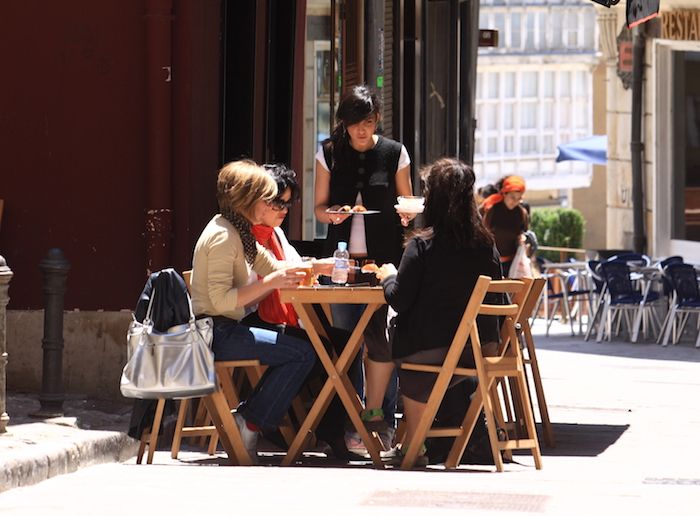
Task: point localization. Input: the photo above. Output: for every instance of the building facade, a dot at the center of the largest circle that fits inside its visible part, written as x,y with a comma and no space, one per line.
116,117
535,90
670,129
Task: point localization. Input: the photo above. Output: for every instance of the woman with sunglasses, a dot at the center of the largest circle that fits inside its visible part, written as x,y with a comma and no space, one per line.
224,256
272,314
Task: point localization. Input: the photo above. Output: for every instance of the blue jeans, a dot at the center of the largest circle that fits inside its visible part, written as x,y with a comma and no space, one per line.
346,317
289,360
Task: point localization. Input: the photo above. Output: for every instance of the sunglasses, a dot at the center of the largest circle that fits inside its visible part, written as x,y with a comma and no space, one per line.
280,205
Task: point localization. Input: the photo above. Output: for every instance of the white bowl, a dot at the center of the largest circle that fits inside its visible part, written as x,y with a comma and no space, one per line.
411,202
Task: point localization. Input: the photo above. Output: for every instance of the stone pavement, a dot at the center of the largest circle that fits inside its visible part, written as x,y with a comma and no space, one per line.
625,416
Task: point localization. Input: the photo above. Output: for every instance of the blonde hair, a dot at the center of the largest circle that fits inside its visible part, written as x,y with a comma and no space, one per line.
240,185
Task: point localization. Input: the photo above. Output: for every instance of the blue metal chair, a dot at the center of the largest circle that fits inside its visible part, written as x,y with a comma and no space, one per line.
555,297
668,288
598,283
685,300
622,300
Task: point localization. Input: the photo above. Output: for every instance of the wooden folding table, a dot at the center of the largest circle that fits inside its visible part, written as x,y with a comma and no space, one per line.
303,299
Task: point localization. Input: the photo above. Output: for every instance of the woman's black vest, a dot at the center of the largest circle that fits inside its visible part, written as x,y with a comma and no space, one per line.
371,173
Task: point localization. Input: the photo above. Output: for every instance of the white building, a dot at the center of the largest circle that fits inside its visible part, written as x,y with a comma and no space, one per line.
535,90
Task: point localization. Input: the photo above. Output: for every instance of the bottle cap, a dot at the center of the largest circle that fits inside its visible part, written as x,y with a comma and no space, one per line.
343,246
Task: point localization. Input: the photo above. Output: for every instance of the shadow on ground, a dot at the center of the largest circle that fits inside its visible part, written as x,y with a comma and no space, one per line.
583,440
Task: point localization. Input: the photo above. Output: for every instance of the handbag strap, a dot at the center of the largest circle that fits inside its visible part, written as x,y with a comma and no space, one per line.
149,322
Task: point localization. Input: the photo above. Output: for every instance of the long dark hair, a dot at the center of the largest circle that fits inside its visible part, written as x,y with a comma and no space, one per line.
450,208
354,107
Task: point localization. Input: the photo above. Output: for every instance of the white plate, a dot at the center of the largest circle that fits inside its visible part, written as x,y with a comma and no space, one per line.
366,212
405,209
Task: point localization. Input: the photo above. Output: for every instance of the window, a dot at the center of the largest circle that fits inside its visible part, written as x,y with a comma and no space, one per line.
528,144
492,89
571,29
508,116
491,117
548,115
548,83
515,31
528,85
509,84
528,115
565,84
555,23
530,31
686,152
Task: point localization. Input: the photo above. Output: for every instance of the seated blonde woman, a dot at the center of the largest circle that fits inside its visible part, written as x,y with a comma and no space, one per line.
224,256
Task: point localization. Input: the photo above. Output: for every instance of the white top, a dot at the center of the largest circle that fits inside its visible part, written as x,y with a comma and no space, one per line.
358,243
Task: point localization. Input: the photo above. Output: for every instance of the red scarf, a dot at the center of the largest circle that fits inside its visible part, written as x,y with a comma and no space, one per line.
271,309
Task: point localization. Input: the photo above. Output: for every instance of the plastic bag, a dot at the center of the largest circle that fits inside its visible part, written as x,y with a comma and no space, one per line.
520,267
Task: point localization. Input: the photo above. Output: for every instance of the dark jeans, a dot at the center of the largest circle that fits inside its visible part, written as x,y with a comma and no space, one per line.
289,359
332,424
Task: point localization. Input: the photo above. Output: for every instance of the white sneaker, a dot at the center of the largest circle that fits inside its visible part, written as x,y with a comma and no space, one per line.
250,438
387,438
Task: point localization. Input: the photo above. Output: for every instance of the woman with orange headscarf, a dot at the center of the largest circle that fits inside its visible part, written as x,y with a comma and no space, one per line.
506,218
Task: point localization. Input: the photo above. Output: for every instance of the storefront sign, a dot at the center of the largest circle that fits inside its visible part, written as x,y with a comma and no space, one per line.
625,58
680,25
488,38
639,11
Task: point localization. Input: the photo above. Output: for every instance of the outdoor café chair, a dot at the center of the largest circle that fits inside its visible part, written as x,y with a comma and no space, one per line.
622,301
685,300
507,364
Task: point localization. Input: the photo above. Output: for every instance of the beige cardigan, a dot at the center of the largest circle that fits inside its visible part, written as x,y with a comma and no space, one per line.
219,269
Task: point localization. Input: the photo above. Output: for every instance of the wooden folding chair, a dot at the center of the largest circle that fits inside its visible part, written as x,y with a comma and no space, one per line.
508,363
202,425
530,359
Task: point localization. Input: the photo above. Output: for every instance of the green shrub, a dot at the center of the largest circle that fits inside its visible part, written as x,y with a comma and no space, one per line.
557,227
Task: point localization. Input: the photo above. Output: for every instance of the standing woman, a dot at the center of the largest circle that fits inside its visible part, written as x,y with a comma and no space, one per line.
507,219
356,166
224,256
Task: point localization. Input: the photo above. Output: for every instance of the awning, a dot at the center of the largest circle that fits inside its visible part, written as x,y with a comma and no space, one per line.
593,149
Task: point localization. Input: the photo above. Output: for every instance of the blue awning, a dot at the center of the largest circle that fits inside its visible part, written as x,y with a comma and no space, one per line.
593,149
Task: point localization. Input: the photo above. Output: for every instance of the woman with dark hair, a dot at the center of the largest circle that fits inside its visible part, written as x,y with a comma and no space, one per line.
355,166
439,268
507,218
272,314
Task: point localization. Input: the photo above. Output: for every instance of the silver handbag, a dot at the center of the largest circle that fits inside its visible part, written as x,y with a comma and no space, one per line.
177,363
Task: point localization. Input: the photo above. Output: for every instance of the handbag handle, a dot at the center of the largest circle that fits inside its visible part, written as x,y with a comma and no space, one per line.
148,321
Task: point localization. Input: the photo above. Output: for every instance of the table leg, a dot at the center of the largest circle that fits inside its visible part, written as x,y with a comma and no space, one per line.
337,381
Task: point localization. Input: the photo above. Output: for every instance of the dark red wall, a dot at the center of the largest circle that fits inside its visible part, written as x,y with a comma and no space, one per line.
73,122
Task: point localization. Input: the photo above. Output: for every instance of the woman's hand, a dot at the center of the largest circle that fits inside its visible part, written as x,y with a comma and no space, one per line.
406,218
284,278
336,218
323,266
385,271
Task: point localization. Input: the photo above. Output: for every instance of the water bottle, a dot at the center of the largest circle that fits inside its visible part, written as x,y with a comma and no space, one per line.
341,265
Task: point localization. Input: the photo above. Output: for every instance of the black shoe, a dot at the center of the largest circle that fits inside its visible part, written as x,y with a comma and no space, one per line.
340,450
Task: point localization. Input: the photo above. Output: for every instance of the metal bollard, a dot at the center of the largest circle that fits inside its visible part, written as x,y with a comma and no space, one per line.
55,270
5,277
